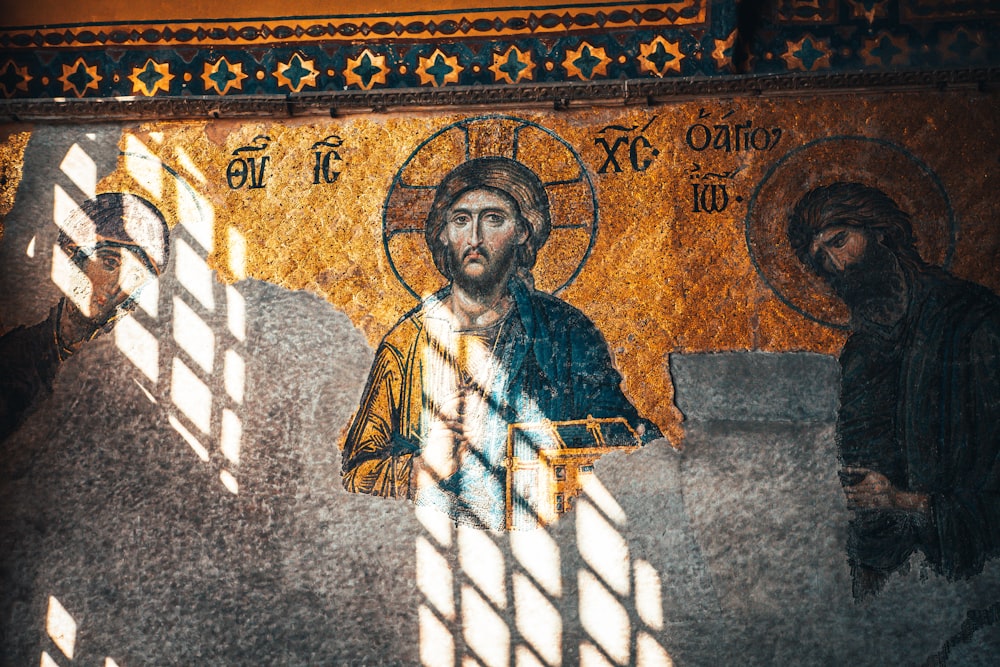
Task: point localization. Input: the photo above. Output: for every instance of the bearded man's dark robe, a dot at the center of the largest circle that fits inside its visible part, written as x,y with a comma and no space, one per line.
921,405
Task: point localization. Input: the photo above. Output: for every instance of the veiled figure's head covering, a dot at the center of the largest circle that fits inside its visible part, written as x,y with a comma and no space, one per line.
851,205
499,174
118,219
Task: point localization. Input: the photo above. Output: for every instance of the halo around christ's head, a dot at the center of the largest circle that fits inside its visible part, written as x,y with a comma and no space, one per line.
570,191
907,180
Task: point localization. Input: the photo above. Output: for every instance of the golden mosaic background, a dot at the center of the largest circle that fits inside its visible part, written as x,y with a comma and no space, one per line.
661,278
12,145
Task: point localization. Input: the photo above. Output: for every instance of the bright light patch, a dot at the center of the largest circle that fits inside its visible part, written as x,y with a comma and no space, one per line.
602,547
108,662
229,482
186,163
538,620
482,562
602,498
133,275
197,217
231,437
148,299
237,253
70,280
157,137
235,374
193,335
81,169
538,554
61,627
194,274
31,247
590,656
604,618
84,231
189,438
523,657
434,579
436,523
485,631
191,396
144,167
47,660
236,313
139,346
437,647
149,395
648,601
649,653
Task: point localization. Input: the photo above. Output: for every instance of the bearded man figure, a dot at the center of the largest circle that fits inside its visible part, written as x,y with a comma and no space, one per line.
918,430
485,352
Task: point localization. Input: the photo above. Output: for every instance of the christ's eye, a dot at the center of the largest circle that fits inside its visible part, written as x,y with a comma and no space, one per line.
494,218
460,219
839,239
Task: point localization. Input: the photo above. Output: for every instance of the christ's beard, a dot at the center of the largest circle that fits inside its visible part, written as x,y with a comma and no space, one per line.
874,288
496,269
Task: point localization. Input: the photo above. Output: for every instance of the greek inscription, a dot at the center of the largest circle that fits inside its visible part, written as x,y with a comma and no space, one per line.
250,168
711,198
641,151
328,161
710,189
730,137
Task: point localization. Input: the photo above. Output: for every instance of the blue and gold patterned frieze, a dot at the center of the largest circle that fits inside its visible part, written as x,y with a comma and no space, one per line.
513,47
875,47
286,69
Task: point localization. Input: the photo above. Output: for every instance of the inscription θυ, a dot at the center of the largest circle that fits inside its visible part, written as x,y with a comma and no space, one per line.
250,168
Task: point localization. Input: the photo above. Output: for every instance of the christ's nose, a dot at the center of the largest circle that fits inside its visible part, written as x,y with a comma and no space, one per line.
475,237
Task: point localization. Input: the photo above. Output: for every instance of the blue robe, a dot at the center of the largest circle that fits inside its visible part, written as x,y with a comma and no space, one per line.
552,363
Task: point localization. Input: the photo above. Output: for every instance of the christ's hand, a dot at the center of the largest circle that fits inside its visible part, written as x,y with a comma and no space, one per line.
445,445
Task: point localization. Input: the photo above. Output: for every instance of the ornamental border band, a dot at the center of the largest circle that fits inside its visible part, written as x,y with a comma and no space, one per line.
486,352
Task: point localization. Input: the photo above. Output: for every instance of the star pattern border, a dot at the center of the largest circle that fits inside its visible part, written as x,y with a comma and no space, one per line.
385,65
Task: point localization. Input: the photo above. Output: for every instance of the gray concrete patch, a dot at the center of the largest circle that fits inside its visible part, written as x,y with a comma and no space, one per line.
756,386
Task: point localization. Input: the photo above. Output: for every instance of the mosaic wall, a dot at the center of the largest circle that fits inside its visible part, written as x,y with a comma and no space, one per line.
483,313
709,376
701,191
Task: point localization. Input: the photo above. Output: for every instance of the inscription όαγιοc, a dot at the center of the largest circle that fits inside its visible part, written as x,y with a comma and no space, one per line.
328,161
640,151
249,164
730,137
